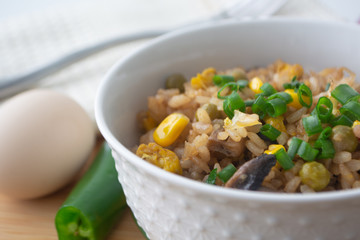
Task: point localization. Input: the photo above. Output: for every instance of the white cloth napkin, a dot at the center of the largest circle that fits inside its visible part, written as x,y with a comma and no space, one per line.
43,34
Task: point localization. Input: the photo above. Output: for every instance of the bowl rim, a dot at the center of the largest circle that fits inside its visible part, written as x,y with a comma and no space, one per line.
196,186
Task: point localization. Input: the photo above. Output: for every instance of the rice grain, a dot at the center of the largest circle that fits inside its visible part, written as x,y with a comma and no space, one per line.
178,101
292,185
296,116
342,157
252,147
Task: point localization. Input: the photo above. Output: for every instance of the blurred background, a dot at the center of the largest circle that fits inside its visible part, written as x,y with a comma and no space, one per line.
36,32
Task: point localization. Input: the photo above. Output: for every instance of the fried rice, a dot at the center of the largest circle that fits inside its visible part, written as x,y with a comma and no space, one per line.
211,139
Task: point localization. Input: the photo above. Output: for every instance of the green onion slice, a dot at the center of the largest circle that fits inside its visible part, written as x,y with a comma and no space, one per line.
305,91
352,110
276,107
226,173
294,146
307,152
242,84
343,93
341,120
312,125
212,177
221,80
270,132
326,133
294,84
249,103
284,159
326,148
233,87
282,95
324,109
233,102
259,105
267,89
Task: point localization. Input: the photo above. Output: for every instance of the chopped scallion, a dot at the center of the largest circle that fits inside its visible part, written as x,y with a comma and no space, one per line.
294,84
233,102
233,87
276,107
282,95
326,148
284,159
259,105
352,110
226,173
305,91
341,120
249,103
343,93
267,89
270,132
312,124
324,109
212,177
294,146
326,133
221,80
307,152
242,84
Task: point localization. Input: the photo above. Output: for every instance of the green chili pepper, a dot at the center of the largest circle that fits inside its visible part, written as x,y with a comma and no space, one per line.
95,203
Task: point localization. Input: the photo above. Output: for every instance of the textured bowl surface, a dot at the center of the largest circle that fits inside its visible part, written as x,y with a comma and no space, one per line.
168,206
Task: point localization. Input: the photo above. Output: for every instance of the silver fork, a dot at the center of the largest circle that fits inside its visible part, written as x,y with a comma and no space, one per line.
236,9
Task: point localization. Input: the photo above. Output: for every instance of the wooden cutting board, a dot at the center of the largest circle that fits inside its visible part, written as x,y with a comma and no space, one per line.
34,219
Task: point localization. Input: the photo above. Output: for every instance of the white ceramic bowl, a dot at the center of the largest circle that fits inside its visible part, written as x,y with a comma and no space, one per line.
168,206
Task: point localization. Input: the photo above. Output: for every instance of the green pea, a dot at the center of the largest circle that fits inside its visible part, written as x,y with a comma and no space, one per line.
176,80
212,110
315,175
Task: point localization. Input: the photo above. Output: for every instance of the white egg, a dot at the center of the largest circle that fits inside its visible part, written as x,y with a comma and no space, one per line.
45,139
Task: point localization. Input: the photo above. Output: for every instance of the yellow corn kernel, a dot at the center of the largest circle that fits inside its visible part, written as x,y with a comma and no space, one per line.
160,157
295,102
197,82
149,122
204,79
209,72
315,175
277,123
291,70
255,85
356,123
273,148
170,129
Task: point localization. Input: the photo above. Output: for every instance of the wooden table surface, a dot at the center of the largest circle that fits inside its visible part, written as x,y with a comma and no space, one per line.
34,219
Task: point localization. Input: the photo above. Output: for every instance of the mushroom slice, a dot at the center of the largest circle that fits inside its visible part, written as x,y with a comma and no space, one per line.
252,173
225,148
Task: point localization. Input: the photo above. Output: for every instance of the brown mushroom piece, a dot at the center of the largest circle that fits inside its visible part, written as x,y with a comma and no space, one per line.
252,173
225,148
